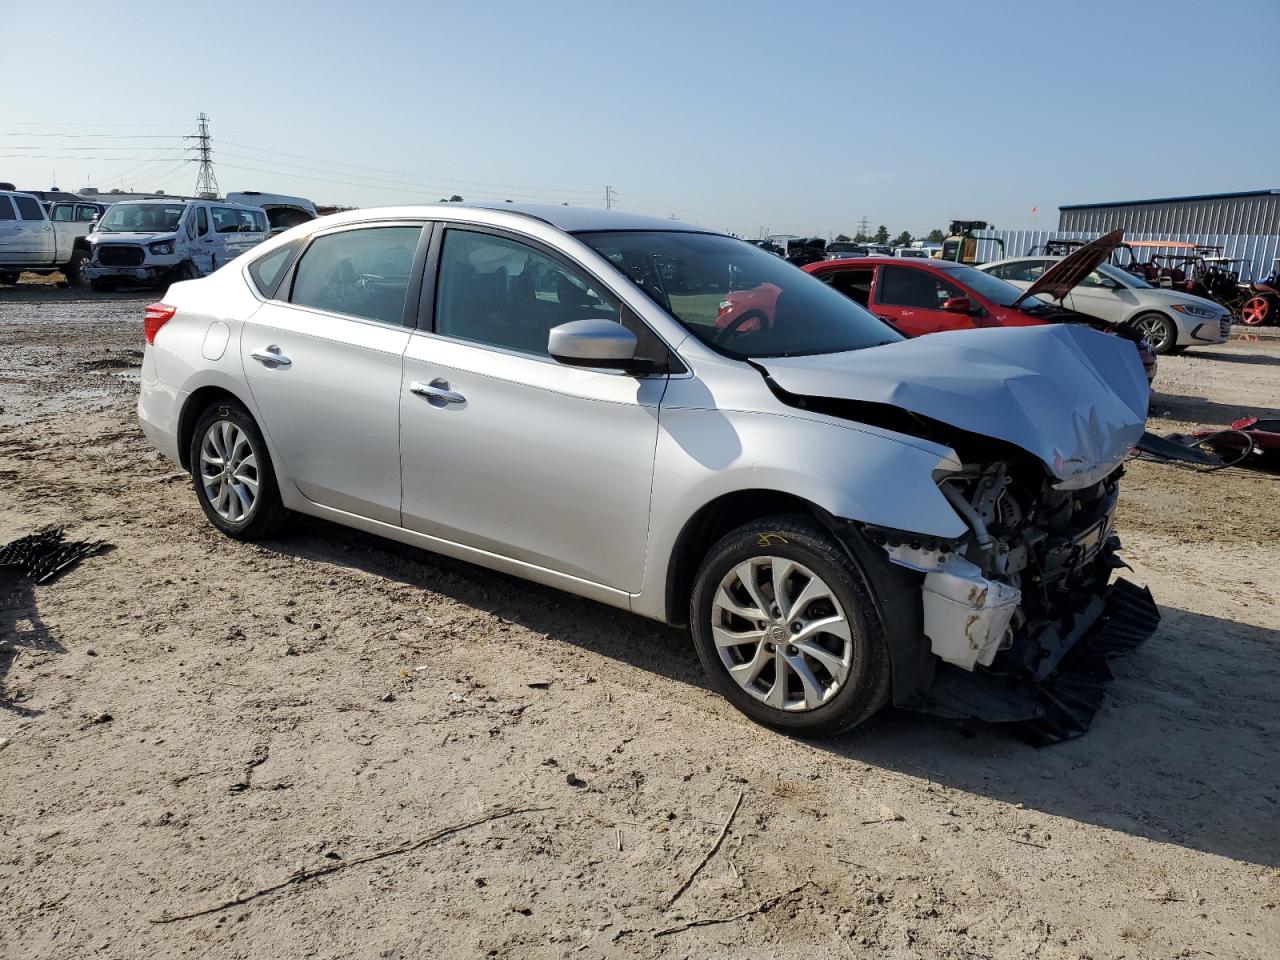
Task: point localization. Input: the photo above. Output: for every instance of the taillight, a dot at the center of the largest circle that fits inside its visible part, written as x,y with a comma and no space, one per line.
158,314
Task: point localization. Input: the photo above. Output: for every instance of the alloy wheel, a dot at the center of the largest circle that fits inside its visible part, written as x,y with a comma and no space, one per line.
228,470
1154,331
1255,310
781,633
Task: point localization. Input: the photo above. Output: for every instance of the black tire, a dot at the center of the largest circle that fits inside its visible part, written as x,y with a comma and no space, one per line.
1169,340
798,538
9,279
186,270
268,515
73,271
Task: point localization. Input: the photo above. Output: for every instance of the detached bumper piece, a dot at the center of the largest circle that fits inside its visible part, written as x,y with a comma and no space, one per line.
41,556
1060,703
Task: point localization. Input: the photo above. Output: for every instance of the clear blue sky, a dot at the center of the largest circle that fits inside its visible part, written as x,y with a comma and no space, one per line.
796,117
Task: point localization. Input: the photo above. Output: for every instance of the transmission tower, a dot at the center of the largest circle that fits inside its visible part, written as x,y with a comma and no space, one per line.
206,182
863,226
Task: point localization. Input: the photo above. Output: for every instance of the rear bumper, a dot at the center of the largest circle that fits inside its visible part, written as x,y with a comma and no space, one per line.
159,407
1058,704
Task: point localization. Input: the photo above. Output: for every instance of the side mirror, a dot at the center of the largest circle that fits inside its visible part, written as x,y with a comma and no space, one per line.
958,305
593,343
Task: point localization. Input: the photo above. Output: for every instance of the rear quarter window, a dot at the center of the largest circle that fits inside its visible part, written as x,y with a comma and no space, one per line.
269,269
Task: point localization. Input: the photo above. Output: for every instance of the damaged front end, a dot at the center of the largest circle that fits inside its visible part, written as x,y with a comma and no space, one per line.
1022,612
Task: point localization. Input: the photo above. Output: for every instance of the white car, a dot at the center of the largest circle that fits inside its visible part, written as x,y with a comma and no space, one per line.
1169,320
42,240
158,240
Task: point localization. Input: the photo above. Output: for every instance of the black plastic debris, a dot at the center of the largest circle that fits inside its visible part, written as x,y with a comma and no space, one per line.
43,555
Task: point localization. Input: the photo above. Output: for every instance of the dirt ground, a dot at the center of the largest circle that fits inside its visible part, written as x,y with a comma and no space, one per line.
188,719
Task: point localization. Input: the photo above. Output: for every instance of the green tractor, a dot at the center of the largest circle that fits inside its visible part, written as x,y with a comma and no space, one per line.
962,245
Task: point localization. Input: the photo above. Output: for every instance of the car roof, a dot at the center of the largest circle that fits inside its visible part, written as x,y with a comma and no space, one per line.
930,262
566,219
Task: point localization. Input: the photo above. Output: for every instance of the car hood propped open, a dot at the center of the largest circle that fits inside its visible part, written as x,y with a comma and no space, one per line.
1073,397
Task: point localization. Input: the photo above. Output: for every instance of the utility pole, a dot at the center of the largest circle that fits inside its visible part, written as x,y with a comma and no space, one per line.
206,182
608,198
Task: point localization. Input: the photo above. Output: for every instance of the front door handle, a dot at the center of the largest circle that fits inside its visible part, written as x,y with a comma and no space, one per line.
437,392
271,357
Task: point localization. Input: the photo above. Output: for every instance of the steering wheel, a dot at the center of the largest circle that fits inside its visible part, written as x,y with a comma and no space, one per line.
734,325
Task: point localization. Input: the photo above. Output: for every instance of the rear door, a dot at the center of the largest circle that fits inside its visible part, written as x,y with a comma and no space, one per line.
911,299
11,233
34,241
323,360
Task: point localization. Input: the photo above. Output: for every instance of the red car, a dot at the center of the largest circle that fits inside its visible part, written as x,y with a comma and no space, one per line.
921,296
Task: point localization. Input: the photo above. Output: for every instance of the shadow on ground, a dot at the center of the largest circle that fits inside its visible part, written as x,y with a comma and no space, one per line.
1182,752
21,632
1208,412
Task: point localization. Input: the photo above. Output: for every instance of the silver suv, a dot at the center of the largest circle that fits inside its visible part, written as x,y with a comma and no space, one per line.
843,518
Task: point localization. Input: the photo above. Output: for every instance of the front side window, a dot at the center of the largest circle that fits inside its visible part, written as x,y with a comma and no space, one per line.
739,299
28,208
6,209
361,273
905,287
142,218
503,293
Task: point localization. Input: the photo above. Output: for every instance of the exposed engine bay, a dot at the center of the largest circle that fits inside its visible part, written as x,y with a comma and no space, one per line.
1022,612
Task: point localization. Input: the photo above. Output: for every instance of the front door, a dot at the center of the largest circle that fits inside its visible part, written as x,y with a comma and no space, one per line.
911,299
506,450
324,364
201,239
1102,297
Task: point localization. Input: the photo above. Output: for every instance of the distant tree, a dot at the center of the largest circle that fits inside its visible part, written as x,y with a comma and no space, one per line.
455,199
936,236
860,237
882,234
904,240
841,238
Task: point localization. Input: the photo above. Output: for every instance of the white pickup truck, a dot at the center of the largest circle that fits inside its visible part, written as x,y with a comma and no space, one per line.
36,240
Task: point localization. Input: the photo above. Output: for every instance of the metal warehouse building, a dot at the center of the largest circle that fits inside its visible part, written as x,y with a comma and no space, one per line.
1255,212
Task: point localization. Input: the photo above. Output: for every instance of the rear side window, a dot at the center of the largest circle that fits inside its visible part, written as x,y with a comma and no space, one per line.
86,214
63,213
268,270
361,273
231,220
28,208
6,209
1021,271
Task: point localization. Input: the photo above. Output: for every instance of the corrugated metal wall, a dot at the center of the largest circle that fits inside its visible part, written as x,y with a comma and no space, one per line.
1229,216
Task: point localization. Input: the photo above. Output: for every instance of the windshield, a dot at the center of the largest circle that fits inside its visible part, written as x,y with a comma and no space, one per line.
142,218
999,292
738,299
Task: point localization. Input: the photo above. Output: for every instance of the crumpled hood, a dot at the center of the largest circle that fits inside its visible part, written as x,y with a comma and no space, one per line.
1071,396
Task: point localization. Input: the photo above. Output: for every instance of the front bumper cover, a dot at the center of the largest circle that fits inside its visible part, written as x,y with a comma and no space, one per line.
1060,703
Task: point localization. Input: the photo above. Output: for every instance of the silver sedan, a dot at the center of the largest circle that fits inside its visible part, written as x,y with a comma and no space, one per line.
560,394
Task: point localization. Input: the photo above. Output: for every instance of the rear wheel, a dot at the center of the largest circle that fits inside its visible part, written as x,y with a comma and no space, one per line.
1158,330
232,473
786,629
8,278
185,271
1256,311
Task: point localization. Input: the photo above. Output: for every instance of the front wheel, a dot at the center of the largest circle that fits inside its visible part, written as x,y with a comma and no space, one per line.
1158,330
1255,311
74,270
232,473
786,629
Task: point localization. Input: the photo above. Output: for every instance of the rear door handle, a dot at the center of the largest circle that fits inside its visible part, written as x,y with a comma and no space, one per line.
437,392
271,357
